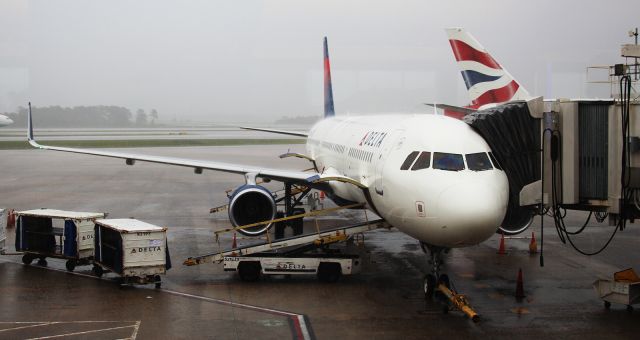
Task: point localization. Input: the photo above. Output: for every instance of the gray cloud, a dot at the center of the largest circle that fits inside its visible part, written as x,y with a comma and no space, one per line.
259,60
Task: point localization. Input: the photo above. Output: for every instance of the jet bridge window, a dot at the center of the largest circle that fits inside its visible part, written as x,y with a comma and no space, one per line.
478,161
407,162
448,161
423,161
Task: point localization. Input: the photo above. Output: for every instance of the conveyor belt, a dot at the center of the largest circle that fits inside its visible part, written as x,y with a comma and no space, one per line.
287,242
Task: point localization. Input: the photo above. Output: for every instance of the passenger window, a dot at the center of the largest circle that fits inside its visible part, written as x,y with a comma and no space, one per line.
407,162
448,161
423,161
478,161
495,161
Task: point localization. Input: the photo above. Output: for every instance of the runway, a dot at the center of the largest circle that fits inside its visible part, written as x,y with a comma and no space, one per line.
385,301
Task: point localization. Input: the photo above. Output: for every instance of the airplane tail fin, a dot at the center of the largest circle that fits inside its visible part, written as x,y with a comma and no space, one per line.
488,83
328,88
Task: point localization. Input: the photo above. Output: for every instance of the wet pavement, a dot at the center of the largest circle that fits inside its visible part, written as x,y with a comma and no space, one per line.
384,301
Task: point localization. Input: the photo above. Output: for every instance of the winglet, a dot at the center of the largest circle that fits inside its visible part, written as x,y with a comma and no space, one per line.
29,125
30,138
328,88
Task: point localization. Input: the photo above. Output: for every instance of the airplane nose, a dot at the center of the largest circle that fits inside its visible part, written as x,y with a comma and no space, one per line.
471,212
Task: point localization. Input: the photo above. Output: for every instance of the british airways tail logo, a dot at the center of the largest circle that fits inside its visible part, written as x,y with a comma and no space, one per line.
483,76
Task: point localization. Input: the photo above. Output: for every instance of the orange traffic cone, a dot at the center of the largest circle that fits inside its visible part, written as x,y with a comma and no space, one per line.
501,250
234,245
533,245
519,286
11,219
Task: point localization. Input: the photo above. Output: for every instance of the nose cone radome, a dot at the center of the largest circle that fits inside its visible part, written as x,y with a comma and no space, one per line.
470,213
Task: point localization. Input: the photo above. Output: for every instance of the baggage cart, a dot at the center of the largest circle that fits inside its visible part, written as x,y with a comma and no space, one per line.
43,233
623,289
135,250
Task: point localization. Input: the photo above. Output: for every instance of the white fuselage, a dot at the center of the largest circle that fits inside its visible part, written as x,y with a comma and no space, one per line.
446,208
4,120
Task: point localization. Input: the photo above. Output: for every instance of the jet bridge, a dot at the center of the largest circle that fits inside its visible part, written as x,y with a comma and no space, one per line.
590,156
578,154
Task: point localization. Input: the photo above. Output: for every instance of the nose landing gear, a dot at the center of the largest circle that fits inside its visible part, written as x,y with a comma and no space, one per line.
433,279
438,285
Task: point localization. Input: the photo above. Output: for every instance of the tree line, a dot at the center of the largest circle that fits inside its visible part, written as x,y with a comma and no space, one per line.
100,116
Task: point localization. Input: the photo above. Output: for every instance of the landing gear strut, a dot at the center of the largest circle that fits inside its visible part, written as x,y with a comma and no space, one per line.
291,199
432,279
436,284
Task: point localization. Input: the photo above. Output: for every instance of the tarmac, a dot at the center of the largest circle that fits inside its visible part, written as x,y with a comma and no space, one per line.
384,301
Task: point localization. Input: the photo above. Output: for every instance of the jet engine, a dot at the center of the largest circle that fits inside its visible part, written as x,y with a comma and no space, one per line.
516,221
250,204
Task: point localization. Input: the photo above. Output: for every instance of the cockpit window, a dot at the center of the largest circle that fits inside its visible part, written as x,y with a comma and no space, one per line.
478,161
407,162
448,161
495,161
423,161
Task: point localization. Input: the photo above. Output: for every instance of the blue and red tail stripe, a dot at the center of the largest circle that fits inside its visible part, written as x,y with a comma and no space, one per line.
472,78
463,52
328,88
499,95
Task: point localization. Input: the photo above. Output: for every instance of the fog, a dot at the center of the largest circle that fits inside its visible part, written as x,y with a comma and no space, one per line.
228,61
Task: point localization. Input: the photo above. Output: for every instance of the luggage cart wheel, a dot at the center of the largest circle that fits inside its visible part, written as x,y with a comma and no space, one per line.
42,262
158,282
98,271
249,271
629,308
71,265
607,304
329,272
27,259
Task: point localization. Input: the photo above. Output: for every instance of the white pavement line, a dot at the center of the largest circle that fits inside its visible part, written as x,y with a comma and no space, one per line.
135,331
31,326
231,303
296,318
303,327
80,333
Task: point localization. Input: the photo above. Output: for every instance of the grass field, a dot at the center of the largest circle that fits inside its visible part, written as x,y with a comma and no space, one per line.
145,143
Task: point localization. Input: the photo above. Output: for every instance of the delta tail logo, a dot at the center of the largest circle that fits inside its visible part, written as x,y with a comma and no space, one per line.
487,82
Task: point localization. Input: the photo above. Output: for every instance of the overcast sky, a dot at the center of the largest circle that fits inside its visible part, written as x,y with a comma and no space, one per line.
260,60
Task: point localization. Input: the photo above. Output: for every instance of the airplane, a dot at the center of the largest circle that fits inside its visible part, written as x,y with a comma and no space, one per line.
4,120
430,176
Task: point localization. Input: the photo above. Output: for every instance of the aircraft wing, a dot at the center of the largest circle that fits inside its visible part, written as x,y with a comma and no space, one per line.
282,132
300,177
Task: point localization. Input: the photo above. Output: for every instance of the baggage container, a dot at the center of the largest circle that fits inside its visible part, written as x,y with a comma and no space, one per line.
135,250
623,289
43,233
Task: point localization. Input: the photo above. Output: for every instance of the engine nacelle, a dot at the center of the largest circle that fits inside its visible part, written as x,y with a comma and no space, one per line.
250,204
516,221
